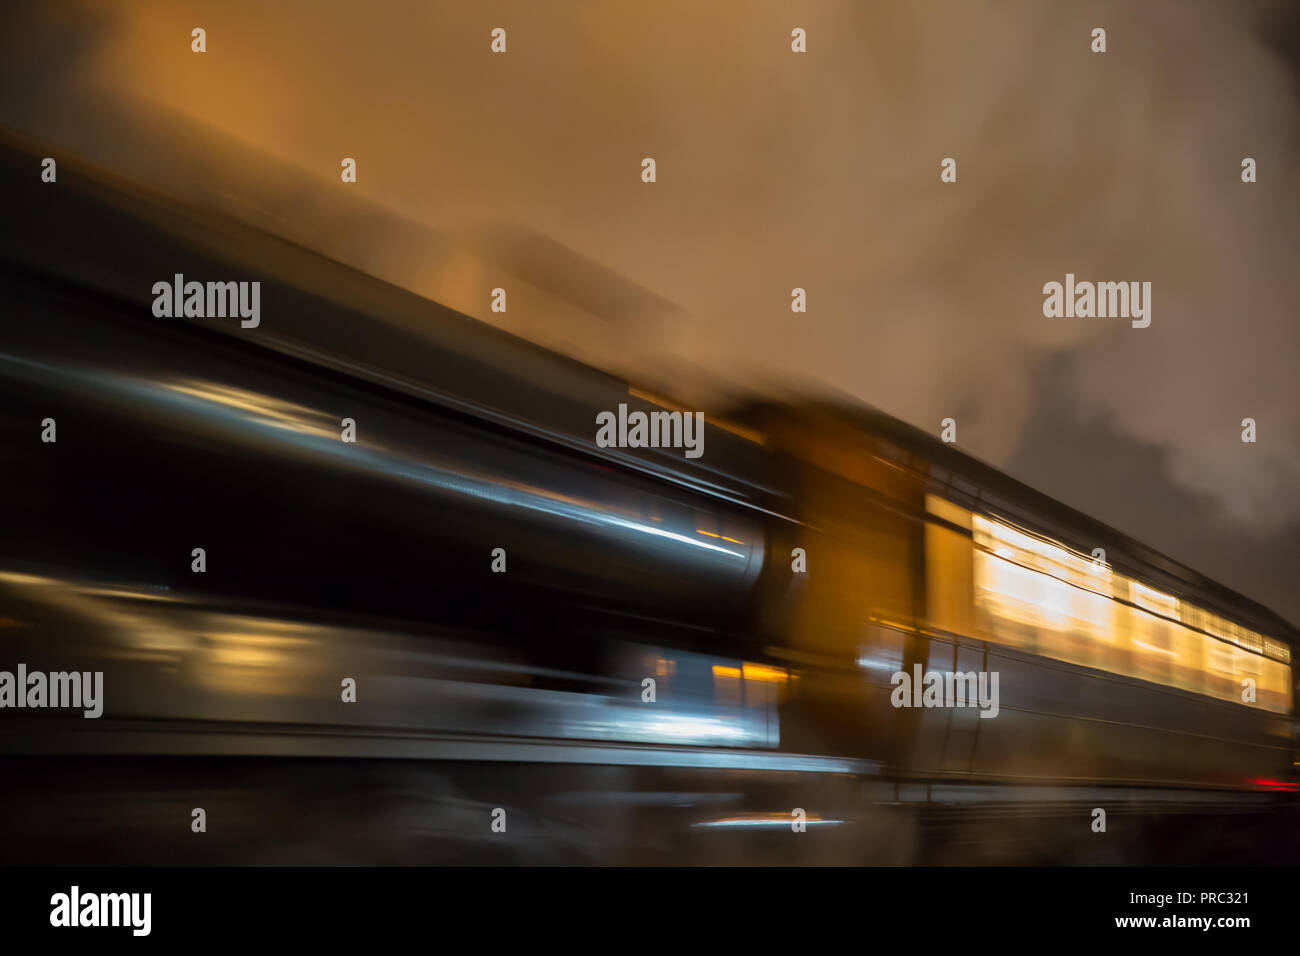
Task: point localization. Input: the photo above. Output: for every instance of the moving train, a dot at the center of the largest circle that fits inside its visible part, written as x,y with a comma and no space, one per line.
475,588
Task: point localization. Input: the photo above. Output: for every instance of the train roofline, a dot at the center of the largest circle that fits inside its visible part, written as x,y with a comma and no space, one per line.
1023,504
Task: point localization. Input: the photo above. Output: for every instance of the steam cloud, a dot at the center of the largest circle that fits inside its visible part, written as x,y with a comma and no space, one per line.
779,170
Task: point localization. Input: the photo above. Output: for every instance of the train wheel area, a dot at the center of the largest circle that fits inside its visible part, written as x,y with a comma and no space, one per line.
336,812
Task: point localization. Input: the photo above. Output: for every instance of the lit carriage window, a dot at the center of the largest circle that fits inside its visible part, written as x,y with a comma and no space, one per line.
1218,627
1272,681
1219,671
1006,598
1153,600
1043,556
1187,668
1110,650
1152,654
1277,650
1247,665
1278,680
1032,594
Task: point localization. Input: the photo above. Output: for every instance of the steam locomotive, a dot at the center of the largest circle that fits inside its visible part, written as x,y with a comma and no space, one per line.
512,601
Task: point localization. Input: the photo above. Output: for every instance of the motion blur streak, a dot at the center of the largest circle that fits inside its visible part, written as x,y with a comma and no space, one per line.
675,655
769,161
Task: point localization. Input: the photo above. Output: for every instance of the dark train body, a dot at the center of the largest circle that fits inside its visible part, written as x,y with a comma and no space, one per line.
373,561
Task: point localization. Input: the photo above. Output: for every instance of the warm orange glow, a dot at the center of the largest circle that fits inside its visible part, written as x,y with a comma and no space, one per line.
722,536
1157,650
1163,604
761,672
1033,594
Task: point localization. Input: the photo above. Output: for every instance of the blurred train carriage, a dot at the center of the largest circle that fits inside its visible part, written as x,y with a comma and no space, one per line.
372,561
1123,669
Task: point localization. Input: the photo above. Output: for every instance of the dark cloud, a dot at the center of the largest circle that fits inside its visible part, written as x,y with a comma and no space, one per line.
1079,455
